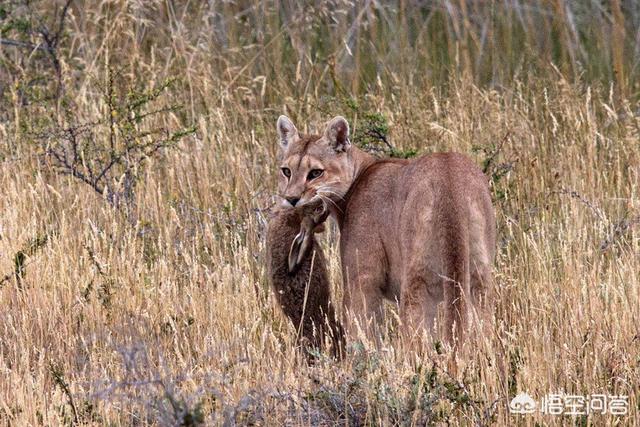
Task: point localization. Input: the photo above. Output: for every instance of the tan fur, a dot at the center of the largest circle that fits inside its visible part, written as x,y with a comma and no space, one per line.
307,281
420,232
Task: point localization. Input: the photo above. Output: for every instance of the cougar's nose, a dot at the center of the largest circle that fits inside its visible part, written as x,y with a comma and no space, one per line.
293,200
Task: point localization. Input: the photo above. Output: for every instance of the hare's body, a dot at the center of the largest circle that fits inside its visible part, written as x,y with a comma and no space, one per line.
304,294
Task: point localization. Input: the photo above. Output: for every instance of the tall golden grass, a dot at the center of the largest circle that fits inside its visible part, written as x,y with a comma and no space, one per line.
170,320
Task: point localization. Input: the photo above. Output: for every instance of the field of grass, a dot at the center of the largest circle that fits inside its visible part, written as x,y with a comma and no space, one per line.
140,296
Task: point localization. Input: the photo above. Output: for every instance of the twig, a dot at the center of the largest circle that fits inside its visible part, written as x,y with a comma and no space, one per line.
618,230
58,378
494,154
575,195
16,43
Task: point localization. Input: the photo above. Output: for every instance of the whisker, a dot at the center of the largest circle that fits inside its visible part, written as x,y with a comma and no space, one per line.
328,183
328,199
332,192
326,188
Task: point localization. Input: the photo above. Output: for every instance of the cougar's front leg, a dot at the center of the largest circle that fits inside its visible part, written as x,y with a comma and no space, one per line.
364,277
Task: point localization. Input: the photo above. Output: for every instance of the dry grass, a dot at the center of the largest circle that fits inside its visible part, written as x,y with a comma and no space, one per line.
170,320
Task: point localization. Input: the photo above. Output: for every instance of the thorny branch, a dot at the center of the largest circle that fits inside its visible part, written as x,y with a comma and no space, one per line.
50,37
617,229
108,154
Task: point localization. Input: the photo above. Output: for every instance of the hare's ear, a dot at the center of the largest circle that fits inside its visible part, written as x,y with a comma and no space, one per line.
299,248
287,132
337,134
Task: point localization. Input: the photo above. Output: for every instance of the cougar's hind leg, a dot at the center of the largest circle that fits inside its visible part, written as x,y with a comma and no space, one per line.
482,295
421,295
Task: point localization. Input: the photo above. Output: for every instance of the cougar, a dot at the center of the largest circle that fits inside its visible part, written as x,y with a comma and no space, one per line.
418,232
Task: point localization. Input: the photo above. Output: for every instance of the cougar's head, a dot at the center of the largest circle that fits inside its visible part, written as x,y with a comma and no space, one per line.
313,167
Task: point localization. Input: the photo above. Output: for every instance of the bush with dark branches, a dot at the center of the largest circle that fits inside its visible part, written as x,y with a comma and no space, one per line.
108,154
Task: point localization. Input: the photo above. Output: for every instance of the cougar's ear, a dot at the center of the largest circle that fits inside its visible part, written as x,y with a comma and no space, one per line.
287,132
299,248
337,133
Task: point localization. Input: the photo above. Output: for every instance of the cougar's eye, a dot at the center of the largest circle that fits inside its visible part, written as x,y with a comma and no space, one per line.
315,173
286,172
